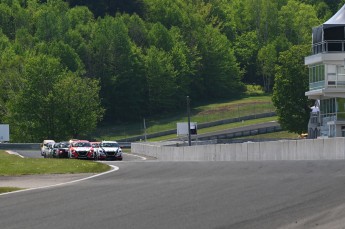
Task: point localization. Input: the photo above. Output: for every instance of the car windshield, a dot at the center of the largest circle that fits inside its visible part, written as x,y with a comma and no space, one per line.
110,144
64,145
95,145
81,144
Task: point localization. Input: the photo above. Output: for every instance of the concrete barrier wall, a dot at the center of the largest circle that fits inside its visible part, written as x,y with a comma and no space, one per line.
307,149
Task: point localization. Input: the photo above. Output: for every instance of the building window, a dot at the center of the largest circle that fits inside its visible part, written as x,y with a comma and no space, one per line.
316,77
341,109
328,107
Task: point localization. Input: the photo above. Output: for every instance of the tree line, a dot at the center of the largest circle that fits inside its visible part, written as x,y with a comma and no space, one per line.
66,65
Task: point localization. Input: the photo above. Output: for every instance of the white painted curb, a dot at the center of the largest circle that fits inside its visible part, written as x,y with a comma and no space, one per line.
14,153
142,158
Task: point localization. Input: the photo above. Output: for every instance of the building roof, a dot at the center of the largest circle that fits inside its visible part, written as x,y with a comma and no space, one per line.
331,29
337,19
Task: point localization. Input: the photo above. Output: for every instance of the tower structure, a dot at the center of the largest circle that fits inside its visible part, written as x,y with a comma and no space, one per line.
327,78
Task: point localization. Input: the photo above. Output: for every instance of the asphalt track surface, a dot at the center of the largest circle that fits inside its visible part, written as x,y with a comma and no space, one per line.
154,194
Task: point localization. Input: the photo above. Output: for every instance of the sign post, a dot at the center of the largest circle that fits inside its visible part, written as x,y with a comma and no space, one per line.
188,114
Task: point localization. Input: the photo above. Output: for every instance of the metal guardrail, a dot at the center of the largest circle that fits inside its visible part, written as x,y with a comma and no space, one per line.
200,125
126,143
243,133
20,146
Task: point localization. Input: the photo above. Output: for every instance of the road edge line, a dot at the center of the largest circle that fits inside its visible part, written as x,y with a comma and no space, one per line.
114,168
142,158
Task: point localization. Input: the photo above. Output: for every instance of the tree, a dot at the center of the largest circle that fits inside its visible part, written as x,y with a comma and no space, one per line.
119,65
137,30
167,12
106,7
6,20
65,53
78,107
186,62
262,17
31,113
291,82
220,75
160,37
246,47
51,21
267,58
11,71
296,20
53,103
161,80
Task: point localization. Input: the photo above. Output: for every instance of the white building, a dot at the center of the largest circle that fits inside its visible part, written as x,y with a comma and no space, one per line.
327,78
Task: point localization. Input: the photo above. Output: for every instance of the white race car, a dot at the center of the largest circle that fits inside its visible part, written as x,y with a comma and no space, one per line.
112,150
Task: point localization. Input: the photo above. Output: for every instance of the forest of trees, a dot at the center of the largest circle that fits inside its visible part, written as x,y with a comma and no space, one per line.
66,65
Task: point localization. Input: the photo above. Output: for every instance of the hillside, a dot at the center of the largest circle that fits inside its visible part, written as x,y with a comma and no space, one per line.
67,66
234,109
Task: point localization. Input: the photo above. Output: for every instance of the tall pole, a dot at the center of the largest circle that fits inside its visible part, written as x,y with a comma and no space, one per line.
188,115
145,135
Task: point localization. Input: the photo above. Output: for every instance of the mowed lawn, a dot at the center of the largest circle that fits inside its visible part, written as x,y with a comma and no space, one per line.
200,114
12,165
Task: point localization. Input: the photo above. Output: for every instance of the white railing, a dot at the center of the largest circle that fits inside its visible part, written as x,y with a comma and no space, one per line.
316,85
333,81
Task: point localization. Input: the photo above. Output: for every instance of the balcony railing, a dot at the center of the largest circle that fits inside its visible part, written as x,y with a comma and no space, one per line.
321,119
333,81
316,85
328,118
328,46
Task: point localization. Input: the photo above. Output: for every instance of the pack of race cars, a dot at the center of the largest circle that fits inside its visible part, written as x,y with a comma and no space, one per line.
82,149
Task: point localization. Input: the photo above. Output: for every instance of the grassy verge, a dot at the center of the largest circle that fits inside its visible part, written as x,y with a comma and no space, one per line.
275,135
220,127
8,189
200,114
11,165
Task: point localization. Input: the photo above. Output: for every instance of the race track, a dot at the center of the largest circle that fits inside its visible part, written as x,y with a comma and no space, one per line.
153,194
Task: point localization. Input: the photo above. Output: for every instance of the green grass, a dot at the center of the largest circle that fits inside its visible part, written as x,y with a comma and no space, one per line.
8,189
220,127
200,114
11,165
275,135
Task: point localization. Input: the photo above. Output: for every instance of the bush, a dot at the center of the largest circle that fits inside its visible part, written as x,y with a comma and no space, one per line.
252,90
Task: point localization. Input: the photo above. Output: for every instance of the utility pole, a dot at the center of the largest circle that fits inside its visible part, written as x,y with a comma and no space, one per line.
145,135
188,115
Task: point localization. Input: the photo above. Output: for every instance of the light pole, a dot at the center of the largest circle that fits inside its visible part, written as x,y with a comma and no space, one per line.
188,115
145,135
